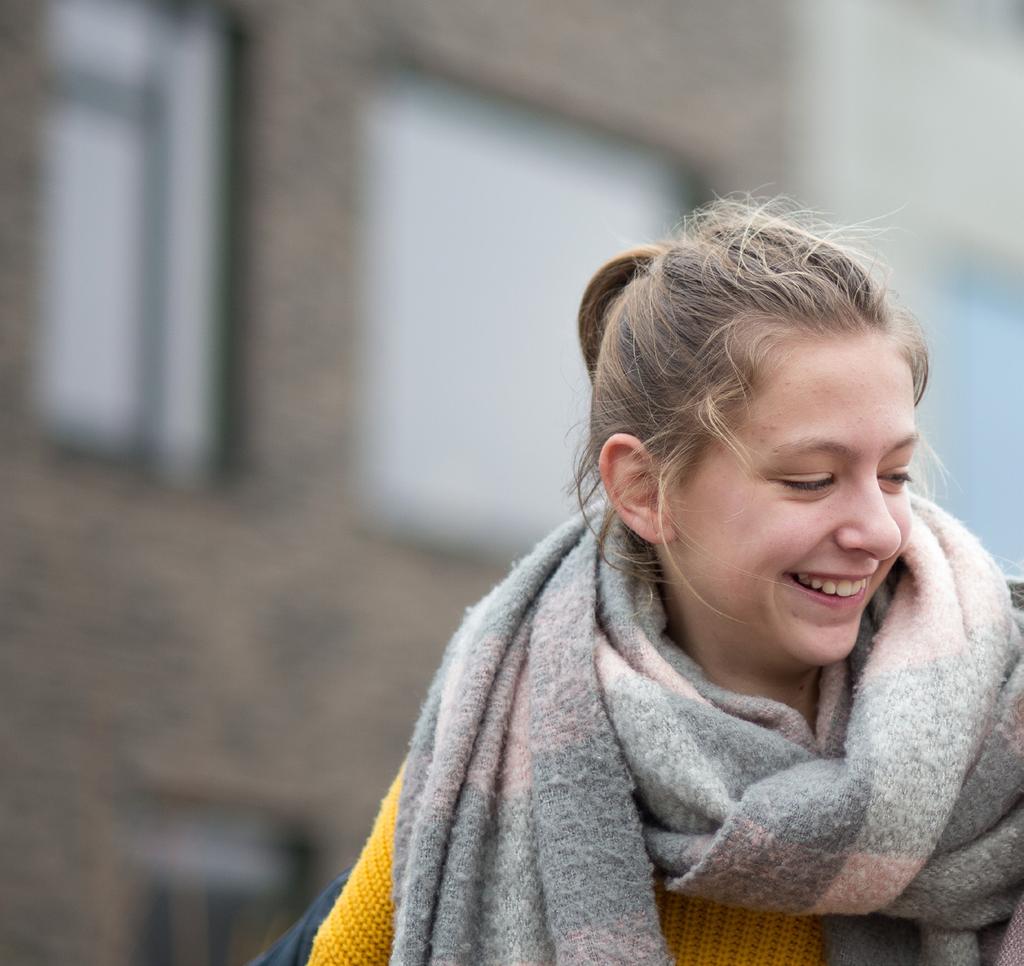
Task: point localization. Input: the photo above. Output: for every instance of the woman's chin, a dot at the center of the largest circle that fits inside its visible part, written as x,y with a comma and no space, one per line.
819,647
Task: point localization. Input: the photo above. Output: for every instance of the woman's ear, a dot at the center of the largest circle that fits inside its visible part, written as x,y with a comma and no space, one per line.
630,479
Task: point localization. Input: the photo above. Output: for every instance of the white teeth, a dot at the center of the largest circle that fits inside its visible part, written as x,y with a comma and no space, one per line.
840,588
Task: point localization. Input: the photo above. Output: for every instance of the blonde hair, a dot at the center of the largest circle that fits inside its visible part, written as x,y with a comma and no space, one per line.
676,335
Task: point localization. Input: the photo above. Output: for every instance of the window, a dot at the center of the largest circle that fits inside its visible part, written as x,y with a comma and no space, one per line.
218,886
981,440
131,356
993,15
484,222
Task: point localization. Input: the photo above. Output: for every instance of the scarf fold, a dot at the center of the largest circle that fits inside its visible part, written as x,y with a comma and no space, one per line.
568,750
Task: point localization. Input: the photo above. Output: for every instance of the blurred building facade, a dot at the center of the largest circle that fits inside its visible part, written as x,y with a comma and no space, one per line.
901,118
271,425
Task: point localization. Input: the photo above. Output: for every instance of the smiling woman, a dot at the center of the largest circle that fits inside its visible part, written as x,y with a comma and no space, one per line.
779,542
758,704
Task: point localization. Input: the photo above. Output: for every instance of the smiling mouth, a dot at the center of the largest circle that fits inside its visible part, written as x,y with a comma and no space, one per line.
829,587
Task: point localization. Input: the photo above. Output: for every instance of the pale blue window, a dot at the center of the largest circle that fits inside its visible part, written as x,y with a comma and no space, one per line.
985,455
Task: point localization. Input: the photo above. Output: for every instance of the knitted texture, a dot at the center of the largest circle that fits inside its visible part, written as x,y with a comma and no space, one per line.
358,930
699,932
1012,952
568,748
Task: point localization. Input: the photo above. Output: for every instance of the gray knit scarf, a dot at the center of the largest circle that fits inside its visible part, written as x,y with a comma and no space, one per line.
568,751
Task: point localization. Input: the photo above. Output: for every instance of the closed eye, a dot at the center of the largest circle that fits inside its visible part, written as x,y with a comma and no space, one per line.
808,484
899,478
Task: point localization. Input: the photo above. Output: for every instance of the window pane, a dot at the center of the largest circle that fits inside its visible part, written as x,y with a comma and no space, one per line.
485,223
89,366
986,461
135,268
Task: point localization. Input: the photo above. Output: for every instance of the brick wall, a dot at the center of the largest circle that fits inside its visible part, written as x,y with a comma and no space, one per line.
254,640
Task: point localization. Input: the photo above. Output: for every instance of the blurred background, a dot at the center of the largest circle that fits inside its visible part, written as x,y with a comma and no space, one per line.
288,373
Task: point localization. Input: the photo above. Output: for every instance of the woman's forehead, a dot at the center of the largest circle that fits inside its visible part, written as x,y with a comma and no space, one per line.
811,445
833,395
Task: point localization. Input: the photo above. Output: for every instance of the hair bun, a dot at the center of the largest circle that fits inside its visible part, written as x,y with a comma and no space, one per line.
603,290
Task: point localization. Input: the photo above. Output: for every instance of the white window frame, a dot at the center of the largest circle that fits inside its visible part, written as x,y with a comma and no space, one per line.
130,355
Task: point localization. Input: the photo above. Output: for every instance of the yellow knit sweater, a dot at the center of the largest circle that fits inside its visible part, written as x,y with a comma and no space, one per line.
358,930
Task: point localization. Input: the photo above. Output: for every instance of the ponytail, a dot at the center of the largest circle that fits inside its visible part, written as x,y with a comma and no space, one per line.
603,290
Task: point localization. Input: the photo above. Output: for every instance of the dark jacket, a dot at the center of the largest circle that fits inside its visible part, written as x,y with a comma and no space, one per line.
295,946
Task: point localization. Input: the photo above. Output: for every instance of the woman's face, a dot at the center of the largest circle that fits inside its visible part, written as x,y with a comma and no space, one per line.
789,550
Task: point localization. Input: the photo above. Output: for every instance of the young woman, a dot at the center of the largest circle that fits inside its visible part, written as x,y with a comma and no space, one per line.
759,704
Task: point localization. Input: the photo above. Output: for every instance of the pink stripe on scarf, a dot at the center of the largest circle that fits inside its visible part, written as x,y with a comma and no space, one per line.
924,623
623,941
517,762
647,662
456,672
449,697
982,594
1011,952
514,962
867,883
953,593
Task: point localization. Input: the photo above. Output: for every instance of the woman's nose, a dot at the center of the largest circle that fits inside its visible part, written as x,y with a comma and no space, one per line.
868,524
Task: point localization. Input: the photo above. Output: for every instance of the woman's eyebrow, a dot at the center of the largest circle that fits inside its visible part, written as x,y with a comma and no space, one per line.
820,444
